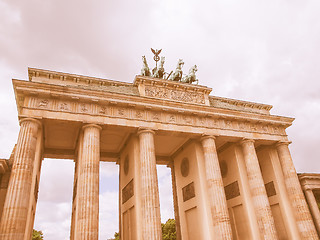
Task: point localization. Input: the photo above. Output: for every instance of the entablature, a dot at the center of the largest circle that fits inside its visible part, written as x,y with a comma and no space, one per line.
43,100
41,91
309,181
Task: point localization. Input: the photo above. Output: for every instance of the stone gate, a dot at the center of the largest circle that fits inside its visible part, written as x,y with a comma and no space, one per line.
232,173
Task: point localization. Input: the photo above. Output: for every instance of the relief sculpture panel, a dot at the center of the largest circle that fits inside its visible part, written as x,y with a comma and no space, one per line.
188,192
174,94
127,192
232,190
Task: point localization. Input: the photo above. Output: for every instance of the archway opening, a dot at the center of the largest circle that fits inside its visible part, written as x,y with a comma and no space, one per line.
165,193
53,212
108,200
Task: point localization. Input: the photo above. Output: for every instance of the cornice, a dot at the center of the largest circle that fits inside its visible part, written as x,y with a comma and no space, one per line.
309,176
36,74
240,103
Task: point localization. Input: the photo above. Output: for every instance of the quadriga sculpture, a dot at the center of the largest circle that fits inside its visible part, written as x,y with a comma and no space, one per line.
159,72
145,71
177,75
191,77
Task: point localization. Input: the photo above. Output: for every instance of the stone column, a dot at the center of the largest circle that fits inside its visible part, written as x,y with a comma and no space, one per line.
287,211
175,201
75,199
88,185
312,202
258,191
218,202
15,211
151,221
4,182
302,214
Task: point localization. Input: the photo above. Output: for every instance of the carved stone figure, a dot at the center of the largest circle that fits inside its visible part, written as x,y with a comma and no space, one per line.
177,75
145,71
159,72
191,77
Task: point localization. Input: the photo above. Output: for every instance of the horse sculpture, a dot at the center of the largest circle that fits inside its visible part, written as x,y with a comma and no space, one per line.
191,77
177,75
159,72
145,71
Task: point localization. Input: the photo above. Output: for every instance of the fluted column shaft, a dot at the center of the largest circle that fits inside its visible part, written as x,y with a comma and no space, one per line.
175,202
302,214
258,191
218,202
149,187
15,211
88,185
312,202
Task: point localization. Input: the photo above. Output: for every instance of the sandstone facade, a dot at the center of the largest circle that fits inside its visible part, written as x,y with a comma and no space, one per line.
232,172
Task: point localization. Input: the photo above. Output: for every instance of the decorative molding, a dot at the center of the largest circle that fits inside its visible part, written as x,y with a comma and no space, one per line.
167,117
23,91
60,78
176,95
234,104
188,93
171,90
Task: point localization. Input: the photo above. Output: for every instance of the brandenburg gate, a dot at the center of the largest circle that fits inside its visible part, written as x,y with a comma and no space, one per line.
232,172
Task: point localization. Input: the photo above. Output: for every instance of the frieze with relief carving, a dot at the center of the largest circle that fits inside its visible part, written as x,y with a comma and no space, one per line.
178,118
174,94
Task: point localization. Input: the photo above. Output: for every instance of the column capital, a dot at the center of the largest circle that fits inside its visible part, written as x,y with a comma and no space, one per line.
145,130
283,143
91,125
31,120
307,188
246,140
205,136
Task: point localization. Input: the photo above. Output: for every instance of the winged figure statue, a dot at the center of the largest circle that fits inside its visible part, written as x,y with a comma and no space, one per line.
156,52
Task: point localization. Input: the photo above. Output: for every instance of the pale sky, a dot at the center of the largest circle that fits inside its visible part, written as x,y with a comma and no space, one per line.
260,51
